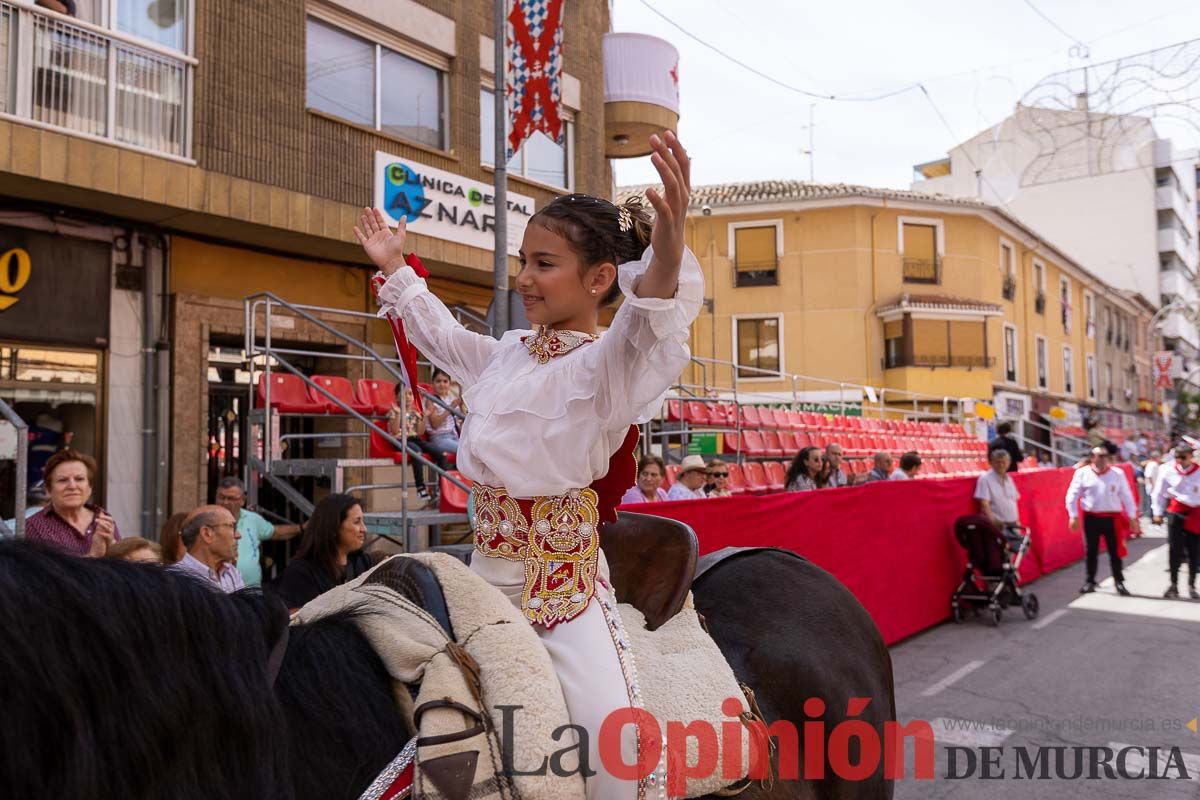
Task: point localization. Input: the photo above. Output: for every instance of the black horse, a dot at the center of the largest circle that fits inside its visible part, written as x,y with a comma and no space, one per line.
122,680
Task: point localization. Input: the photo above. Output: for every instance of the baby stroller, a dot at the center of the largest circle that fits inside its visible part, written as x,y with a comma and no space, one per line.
993,556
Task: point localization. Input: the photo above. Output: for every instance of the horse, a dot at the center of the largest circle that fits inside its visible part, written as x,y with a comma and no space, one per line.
124,680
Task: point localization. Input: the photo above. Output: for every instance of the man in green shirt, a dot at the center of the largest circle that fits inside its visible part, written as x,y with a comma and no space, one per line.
231,493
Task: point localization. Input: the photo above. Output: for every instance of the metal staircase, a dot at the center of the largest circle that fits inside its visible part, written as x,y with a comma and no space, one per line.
268,455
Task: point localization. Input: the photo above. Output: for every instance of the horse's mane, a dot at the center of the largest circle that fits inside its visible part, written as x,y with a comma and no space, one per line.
344,721
121,680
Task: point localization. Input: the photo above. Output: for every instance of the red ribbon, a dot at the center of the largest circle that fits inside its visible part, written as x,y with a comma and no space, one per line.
404,349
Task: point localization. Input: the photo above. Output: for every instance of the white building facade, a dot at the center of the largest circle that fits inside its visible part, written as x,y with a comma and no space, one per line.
1104,188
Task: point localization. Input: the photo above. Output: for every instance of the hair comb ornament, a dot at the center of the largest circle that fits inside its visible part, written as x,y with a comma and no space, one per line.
624,219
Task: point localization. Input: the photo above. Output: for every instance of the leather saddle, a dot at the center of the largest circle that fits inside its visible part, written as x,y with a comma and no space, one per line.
652,562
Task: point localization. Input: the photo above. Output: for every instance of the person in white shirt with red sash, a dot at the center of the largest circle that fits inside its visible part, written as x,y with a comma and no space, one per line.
1177,487
1107,502
552,418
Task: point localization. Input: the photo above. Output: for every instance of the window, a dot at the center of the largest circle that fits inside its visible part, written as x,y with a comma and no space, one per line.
160,21
1064,297
539,159
368,84
755,253
920,260
1108,326
1068,371
936,343
1010,354
1008,269
758,344
1090,369
1089,315
1108,382
1039,283
1040,347
893,344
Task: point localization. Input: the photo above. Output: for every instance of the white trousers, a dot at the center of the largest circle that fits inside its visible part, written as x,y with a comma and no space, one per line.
588,668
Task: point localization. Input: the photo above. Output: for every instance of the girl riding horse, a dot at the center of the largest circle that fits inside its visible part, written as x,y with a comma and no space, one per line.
548,409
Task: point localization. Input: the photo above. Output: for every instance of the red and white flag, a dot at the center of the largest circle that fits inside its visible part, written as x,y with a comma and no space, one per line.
404,348
533,76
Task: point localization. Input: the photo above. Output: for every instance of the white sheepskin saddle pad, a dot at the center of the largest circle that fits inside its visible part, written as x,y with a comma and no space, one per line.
498,660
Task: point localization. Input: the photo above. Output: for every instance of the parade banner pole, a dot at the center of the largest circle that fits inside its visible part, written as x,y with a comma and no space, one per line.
500,265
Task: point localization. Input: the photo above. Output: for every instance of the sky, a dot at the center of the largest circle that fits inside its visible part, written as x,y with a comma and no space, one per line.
976,59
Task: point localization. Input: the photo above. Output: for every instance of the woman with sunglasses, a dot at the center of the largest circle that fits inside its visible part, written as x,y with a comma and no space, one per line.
718,479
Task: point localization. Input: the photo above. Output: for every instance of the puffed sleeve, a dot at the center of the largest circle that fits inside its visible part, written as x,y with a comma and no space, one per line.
431,327
642,354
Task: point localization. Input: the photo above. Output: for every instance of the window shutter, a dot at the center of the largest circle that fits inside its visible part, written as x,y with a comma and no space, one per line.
755,248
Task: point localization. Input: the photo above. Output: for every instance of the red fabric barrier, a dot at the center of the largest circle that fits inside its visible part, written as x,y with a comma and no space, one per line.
891,543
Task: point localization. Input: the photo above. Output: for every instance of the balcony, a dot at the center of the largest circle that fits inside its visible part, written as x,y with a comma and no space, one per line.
1177,326
1178,284
1172,240
922,270
1170,199
66,74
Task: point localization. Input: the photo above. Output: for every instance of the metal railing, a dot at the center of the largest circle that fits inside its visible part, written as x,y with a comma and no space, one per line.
93,81
922,270
22,466
271,305
941,360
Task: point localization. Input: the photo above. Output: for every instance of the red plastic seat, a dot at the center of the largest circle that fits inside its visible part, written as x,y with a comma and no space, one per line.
453,500
748,443
772,446
737,481
382,448
795,421
756,477
379,394
674,410
698,413
789,442
751,417
776,473
724,414
289,395
340,388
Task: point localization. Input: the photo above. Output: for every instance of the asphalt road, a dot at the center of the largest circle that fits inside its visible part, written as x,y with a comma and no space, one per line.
1092,671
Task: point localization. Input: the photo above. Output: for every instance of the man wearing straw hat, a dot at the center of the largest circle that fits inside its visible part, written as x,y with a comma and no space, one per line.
689,483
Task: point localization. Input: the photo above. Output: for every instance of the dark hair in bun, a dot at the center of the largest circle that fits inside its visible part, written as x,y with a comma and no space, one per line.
598,230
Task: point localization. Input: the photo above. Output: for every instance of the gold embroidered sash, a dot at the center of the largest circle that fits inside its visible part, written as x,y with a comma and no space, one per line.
555,538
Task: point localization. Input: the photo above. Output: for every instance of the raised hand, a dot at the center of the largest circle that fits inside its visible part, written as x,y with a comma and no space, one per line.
670,207
384,248
661,278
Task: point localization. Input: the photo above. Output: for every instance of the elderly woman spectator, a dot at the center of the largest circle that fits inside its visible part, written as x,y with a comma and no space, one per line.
651,471
168,538
718,479
330,553
135,548
71,522
808,471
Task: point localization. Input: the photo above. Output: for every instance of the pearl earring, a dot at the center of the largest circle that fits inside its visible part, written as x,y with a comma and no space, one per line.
593,291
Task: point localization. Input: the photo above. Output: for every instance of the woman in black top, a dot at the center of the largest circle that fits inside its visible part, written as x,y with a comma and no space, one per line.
330,551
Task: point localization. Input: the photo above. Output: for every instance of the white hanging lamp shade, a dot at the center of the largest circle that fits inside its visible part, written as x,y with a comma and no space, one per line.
641,92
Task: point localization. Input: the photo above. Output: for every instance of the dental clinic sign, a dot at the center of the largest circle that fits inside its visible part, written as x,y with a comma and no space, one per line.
444,205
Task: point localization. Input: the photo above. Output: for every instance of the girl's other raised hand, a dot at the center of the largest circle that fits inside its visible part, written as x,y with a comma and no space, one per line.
383,247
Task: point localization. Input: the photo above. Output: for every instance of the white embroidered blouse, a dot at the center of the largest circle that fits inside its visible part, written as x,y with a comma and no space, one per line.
540,429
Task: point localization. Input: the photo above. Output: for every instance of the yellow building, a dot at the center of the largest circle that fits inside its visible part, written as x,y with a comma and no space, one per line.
810,285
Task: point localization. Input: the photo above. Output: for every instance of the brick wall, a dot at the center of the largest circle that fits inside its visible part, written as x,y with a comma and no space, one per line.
251,122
